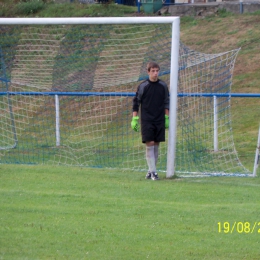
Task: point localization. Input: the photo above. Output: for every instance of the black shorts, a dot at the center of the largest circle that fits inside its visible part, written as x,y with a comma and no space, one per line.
153,132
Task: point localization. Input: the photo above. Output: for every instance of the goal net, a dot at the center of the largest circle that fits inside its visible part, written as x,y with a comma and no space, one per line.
67,87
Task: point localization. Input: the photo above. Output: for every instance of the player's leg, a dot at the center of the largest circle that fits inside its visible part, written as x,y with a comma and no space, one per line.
159,136
156,151
147,130
150,159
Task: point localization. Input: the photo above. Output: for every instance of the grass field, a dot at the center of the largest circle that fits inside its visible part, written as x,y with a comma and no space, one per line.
79,213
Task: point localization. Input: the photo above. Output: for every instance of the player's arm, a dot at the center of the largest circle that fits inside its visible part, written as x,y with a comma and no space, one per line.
135,119
167,111
135,113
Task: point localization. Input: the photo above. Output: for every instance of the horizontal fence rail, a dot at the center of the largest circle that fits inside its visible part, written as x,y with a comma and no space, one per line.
128,94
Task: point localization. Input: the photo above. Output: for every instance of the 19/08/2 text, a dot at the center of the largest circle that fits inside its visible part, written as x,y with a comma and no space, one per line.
239,227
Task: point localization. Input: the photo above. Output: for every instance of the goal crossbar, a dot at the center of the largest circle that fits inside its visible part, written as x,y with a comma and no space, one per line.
80,20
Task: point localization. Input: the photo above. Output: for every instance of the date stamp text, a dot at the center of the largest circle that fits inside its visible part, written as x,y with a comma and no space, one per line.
239,227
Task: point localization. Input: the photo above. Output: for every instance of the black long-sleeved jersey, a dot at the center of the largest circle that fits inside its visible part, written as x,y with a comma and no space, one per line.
153,98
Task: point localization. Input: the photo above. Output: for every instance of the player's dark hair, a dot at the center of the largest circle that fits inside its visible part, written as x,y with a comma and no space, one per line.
152,64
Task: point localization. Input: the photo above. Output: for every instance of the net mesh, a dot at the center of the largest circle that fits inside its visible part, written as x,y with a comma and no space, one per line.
94,71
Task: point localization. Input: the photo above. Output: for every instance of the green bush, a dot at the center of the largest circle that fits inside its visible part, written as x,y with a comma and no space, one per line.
222,12
29,7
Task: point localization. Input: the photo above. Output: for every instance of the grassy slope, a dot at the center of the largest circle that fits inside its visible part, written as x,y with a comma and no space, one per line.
209,35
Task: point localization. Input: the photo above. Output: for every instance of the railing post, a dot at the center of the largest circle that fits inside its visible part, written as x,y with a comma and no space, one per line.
241,6
215,123
57,117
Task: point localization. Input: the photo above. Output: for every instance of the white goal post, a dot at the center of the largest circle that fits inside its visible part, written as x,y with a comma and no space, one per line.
257,154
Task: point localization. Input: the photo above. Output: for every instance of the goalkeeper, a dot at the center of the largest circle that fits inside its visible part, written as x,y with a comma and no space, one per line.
152,97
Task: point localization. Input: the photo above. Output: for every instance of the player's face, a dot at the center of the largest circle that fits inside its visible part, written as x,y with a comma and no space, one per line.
153,74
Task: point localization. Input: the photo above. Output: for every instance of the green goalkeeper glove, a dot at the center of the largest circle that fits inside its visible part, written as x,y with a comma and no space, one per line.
135,124
167,121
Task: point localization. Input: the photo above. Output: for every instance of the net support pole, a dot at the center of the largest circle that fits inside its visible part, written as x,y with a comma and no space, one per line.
2,64
215,124
57,117
174,72
257,154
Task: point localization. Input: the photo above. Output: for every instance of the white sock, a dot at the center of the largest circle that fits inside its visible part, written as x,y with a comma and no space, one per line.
156,153
150,158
